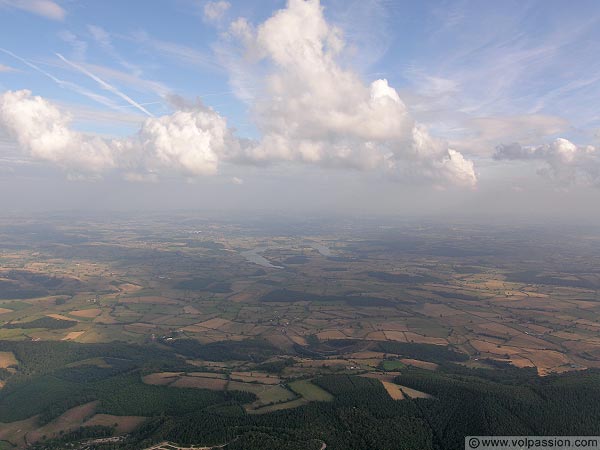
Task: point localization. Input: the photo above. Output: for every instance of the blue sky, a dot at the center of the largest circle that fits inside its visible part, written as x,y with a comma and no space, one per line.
463,81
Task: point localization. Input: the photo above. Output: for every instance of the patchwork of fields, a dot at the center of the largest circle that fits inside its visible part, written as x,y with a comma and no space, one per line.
255,338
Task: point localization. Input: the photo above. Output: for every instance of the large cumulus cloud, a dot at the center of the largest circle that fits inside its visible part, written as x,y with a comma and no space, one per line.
44,132
315,111
190,142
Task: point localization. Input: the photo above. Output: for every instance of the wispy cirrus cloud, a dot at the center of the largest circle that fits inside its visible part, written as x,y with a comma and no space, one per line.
498,68
79,46
183,54
104,39
4,68
215,10
481,135
367,30
45,8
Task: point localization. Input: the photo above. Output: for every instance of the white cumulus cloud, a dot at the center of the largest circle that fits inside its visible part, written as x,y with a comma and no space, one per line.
565,162
44,132
191,142
315,111
188,141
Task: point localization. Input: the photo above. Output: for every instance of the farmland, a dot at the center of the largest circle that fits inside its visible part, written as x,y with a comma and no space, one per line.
142,318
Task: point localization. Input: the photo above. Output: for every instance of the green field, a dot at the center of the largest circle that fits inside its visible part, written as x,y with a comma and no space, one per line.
390,365
310,392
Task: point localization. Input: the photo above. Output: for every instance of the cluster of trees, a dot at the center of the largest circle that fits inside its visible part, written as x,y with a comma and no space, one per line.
275,366
48,323
402,278
535,277
508,401
427,352
204,284
41,357
11,293
454,294
53,377
62,442
256,350
289,296
86,373
23,284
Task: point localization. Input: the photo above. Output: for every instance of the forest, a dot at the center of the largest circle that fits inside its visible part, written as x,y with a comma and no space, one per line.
500,400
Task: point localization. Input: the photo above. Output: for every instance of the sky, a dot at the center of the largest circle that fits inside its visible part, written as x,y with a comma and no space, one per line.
340,106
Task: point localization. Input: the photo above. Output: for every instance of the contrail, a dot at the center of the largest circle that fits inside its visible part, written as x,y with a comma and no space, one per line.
33,66
105,85
141,104
62,83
